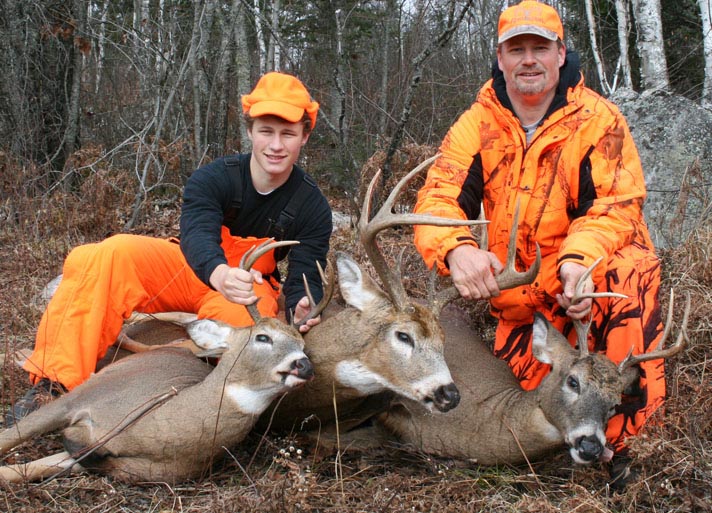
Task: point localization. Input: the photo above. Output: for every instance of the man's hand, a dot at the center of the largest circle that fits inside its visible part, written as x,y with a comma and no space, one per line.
569,275
302,310
235,283
472,272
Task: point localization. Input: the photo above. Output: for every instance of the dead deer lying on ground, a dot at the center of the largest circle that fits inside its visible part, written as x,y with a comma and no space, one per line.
165,415
498,422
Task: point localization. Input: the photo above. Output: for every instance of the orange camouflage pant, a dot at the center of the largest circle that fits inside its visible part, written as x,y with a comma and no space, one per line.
616,326
104,283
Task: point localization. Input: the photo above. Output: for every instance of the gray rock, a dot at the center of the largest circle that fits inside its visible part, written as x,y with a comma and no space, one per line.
674,138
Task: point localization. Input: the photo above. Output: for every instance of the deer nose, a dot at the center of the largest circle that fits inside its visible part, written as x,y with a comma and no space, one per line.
589,448
446,397
303,368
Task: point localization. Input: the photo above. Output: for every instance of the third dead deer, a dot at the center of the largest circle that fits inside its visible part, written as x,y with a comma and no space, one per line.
499,422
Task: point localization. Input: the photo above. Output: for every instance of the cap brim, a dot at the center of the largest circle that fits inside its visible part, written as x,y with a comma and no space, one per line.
528,29
283,110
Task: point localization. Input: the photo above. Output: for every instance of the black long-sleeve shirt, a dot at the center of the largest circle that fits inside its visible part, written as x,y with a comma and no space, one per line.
207,199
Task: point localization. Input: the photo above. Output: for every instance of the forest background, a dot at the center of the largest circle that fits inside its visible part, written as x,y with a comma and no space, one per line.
106,107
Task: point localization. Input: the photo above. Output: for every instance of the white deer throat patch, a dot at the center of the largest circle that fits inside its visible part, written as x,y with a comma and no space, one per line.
249,401
355,375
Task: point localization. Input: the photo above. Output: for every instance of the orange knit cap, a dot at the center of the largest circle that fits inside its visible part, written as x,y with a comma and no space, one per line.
530,17
281,95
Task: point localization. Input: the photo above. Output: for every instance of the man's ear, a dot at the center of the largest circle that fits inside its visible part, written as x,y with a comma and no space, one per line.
562,54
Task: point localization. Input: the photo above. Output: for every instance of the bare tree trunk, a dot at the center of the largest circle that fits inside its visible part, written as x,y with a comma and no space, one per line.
273,47
262,51
202,22
242,68
623,33
707,43
223,79
15,46
653,64
100,46
71,140
391,17
605,86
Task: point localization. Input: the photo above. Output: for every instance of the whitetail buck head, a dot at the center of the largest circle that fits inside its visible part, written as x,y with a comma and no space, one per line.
582,389
411,329
164,415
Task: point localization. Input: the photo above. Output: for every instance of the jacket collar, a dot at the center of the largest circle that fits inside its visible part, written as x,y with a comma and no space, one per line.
569,77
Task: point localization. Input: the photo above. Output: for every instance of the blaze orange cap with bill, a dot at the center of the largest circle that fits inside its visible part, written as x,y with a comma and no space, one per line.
530,17
281,95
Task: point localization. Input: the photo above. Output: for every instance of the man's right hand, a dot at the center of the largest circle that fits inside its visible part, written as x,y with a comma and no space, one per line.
235,283
472,272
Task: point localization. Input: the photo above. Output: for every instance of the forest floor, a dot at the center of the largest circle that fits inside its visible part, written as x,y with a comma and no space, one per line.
673,456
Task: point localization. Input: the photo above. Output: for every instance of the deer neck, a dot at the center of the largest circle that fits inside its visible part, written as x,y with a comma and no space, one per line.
521,412
233,399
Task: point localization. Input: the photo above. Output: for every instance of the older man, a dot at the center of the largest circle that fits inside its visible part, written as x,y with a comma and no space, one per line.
537,136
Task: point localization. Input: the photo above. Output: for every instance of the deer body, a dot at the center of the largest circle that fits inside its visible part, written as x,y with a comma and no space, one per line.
165,415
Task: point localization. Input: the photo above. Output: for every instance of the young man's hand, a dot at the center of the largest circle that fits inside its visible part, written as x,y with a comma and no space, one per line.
235,283
301,311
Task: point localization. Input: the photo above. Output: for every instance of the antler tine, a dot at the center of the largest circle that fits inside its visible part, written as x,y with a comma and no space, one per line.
437,300
510,277
385,218
249,259
580,326
659,352
328,288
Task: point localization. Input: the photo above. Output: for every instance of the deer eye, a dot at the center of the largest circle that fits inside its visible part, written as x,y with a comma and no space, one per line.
405,338
572,383
265,339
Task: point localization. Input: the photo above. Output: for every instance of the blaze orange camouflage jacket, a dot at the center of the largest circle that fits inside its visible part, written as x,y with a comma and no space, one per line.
579,183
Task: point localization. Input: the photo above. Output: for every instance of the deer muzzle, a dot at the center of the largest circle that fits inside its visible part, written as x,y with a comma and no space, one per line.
301,369
446,397
588,449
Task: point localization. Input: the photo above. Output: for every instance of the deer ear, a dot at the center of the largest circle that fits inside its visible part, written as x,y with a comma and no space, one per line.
548,345
540,336
209,335
357,288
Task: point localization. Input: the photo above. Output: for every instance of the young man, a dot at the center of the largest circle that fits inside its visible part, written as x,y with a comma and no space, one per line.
229,206
536,135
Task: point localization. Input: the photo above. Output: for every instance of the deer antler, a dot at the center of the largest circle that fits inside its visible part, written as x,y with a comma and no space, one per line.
580,326
659,352
385,218
507,279
328,288
251,256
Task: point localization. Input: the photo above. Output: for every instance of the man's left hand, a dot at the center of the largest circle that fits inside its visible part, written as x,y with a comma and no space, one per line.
569,274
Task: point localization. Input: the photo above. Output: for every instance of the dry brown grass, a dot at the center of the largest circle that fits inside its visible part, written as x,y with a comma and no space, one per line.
674,455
